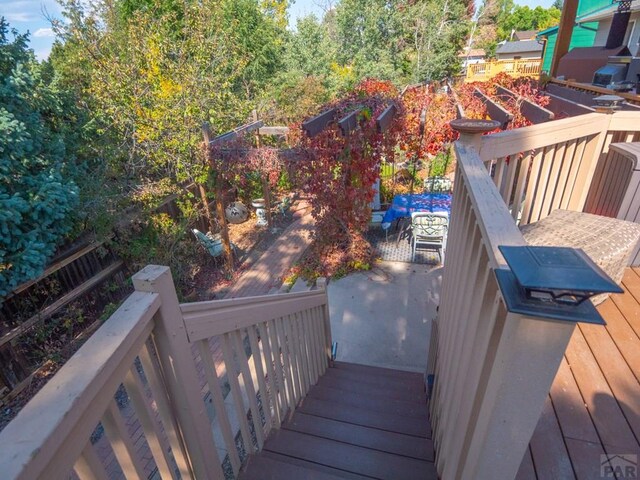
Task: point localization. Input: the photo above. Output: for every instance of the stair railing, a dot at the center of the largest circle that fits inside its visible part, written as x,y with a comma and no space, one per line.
134,400
274,348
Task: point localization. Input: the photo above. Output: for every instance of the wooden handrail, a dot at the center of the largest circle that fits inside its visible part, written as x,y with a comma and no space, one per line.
208,319
629,97
55,425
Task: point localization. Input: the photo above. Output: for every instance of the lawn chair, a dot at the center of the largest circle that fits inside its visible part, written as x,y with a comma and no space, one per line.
429,230
211,243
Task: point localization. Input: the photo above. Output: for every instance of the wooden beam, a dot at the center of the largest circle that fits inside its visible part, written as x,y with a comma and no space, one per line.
236,132
385,119
349,123
532,112
273,131
565,31
559,105
495,111
317,124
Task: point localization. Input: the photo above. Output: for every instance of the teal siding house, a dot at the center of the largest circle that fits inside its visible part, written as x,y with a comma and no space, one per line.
584,34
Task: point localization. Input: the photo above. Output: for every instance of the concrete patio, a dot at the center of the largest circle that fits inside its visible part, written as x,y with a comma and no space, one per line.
383,317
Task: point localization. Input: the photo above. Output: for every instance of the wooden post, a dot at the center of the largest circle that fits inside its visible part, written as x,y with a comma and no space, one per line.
179,372
266,191
565,31
219,192
205,204
222,219
322,285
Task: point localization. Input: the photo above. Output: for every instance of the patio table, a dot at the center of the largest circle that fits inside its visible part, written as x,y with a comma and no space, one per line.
404,205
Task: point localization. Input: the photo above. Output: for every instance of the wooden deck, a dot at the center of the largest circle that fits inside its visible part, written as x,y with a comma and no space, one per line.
357,422
594,404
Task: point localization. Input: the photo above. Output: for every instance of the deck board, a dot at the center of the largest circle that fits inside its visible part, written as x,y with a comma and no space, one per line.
390,442
349,458
365,418
548,450
392,406
371,391
382,382
594,401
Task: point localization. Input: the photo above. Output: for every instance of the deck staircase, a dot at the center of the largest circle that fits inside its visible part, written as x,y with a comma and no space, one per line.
357,422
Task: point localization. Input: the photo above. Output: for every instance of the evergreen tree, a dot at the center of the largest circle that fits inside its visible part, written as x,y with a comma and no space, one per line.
37,193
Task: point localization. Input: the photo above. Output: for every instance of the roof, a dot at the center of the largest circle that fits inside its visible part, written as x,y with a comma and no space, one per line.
519,47
547,32
606,12
475,52
524,35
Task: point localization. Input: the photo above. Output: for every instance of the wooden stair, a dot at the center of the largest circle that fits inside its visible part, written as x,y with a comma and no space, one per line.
357,422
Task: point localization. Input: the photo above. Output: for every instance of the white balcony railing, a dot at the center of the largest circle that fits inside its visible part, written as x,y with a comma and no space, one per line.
146,345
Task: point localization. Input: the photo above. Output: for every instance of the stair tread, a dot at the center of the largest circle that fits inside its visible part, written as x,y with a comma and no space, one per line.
392,372
380,381
366,418
390,442
384,405
351,458
311,466
355,385
261,467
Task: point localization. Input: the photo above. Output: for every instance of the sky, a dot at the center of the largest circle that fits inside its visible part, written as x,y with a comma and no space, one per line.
32,16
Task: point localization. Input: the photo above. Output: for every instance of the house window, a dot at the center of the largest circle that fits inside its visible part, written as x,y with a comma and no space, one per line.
517,57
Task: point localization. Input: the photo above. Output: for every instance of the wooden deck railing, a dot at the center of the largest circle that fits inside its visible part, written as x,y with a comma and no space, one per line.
480,72
146,346
544,167
494,368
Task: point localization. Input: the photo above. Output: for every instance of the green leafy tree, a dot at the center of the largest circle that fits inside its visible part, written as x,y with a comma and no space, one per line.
368,34
434,33
37,193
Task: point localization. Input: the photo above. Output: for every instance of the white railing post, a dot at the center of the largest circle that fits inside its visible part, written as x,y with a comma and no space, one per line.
179,373
322,285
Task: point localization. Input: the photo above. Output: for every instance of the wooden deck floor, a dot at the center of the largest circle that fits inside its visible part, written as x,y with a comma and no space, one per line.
594,405
358,422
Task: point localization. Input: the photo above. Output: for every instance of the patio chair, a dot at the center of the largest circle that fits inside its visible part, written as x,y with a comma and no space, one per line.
437,185
429,230
211,243
609,242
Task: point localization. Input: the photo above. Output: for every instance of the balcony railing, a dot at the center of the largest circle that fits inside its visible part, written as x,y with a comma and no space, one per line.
274,347
480,72
493,368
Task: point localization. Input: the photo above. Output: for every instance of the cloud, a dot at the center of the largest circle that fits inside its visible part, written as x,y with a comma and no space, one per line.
25,11
44,32
20,17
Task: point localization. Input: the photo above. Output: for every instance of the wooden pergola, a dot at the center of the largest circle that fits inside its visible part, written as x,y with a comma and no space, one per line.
312,127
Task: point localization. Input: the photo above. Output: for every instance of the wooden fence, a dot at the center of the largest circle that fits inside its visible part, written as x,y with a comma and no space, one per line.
75,275
146,345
